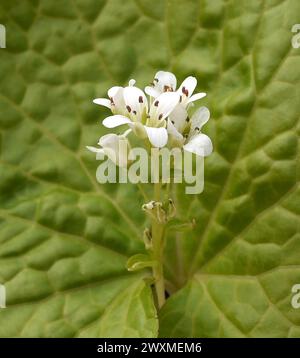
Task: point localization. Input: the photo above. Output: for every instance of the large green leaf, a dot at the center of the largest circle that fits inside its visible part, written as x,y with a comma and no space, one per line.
65,239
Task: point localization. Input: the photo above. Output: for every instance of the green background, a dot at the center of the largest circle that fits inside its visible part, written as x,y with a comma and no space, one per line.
65,239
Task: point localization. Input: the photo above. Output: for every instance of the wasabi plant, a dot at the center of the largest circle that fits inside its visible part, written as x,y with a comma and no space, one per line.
165,121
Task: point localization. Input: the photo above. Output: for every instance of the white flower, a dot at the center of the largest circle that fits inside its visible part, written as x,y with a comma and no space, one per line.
116,100
186,132
115,147
135,112
166,82
163,82
186,91
165,118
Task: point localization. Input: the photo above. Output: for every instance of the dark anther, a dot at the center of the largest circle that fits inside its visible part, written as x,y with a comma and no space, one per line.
160,116
185,91
128,109
180,99
188,119
140,99
197,129
170,201
168,89
134,112
155,79
156,103
173,122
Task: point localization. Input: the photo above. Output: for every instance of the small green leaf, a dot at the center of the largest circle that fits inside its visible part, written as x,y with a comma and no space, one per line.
180,225
139,261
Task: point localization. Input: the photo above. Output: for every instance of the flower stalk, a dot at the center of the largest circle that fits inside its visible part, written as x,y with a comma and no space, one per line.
158,231
158,245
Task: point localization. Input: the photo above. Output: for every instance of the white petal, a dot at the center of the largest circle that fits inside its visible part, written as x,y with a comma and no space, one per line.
199,118
189,85
103,102
163,105
108,140
179,116
158,137
173,132
200,144
164,79
94,149
152,92
115,121
116,94
132,82
132,96
196,96
114,147
113,91
135,100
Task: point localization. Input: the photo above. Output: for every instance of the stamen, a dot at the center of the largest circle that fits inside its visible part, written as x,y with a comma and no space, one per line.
168,88
156,103
160,116
180,99
187,119
140,99
197,129
128,109
155,79
134,112
172,122
185,91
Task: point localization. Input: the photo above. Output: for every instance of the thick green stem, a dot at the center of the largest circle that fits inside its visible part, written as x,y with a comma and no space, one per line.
157,245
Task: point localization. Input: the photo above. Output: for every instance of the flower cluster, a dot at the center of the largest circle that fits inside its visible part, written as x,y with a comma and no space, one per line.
162,119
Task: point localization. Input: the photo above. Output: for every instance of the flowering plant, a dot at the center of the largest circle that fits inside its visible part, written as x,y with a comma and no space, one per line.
162,121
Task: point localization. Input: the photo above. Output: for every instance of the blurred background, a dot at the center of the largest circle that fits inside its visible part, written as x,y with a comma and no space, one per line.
65,239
